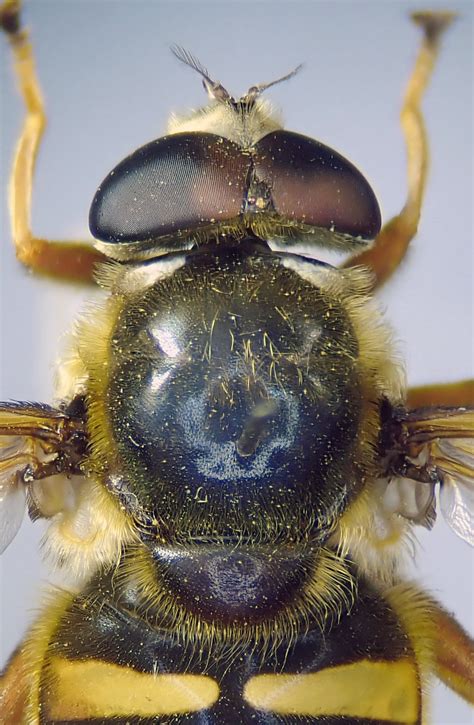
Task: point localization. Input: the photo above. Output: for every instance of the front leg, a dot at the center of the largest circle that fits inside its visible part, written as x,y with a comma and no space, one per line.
69,260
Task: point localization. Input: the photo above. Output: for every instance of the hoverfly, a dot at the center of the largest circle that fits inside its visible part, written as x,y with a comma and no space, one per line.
203,502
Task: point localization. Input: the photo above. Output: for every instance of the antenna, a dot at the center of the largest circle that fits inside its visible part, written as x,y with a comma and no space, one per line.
254,91
214,88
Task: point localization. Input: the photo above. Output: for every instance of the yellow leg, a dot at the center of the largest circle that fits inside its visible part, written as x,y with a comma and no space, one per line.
454,655
71,260
391,245
451,395
14,688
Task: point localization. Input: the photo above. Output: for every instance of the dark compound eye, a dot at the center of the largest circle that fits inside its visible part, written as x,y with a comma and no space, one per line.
314,185
179,184
175,183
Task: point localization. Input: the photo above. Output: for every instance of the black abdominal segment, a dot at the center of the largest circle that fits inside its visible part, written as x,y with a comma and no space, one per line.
233,683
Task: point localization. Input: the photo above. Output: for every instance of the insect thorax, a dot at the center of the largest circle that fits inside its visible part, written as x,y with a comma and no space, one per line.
233,402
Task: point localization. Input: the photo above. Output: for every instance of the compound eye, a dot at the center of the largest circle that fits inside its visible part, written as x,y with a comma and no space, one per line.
314,185
174,184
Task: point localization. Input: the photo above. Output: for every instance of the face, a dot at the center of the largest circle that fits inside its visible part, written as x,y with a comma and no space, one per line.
106,99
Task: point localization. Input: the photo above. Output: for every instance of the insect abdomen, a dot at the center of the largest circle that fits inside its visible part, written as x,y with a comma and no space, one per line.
106,665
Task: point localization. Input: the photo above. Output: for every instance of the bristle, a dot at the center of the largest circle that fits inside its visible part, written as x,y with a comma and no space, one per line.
223,120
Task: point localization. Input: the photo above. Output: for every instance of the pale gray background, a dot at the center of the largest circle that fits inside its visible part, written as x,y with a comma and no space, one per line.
110,81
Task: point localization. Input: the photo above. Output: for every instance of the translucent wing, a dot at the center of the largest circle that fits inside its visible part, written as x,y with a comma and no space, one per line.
425,448
455,460
36,442
12,503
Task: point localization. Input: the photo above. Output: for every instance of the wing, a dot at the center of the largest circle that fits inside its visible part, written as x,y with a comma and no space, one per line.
424,449
37,442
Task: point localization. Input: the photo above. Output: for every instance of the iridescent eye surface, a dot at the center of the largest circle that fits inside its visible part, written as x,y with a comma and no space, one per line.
177,182
167,191
313,184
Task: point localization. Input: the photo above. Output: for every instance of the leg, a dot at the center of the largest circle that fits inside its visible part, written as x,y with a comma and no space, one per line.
452,395
14,687
74,261
453,654
391,245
